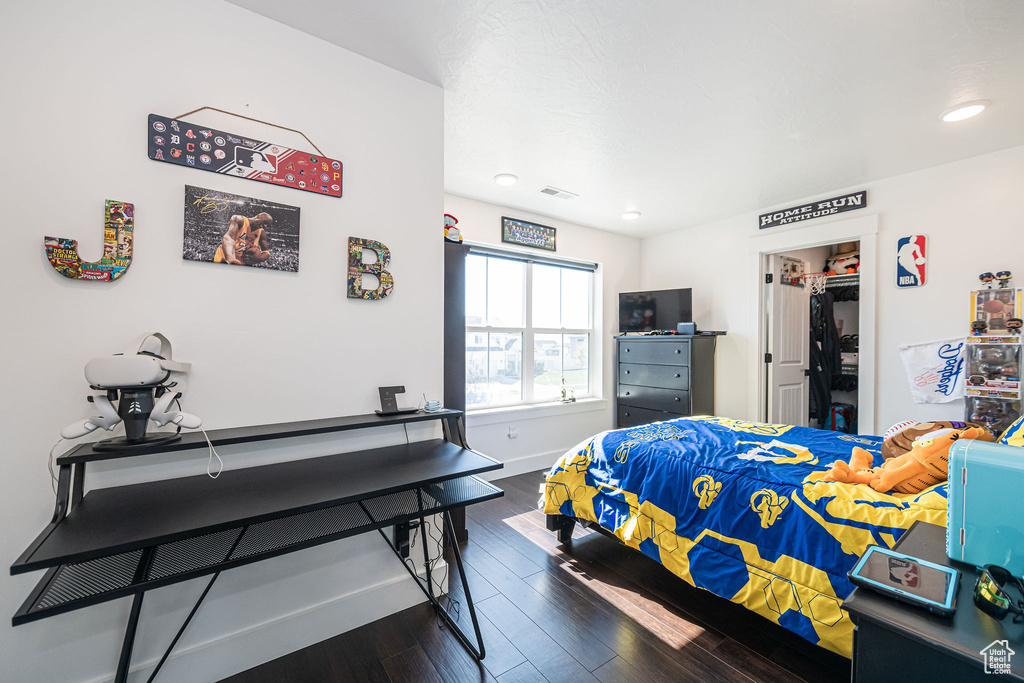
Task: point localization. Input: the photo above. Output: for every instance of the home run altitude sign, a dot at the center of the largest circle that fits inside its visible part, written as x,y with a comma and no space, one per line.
825,207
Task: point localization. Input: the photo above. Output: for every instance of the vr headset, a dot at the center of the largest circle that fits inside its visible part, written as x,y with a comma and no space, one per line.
134,367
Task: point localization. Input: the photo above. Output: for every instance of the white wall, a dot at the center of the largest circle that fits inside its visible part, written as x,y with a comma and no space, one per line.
79,81
547,432
971,212
813,257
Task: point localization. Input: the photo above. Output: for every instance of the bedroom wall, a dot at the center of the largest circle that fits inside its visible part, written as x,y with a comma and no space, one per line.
265,346
972,214
545,432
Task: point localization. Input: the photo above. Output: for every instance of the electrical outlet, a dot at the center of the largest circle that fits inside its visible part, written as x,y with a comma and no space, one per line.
513,432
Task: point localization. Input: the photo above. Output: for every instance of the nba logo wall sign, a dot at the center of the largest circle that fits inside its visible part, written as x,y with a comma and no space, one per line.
911,261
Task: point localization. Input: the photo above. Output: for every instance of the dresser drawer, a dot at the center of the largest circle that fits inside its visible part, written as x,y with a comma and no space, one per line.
672,400
655,351
664,376
628,416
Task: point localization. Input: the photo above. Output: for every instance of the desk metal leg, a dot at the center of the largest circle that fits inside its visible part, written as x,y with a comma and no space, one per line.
478,652
125,660
181,630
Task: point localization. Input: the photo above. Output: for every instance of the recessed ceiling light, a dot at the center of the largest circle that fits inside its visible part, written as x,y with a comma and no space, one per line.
631,215
506,179
964,111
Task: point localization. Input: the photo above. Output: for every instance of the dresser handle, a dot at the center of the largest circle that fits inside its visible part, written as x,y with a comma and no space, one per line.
627,372
677,399
678,350
677,374
627,349
626,414
627,393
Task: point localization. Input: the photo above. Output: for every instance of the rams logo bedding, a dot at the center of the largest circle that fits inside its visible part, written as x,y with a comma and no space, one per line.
741,509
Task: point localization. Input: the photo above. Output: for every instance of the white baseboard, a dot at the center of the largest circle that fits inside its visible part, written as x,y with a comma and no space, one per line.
529,463
260,643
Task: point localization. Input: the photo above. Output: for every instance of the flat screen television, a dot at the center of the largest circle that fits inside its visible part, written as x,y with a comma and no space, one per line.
655,310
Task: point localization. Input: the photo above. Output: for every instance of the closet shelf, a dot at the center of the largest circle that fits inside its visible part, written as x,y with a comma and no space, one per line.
836,281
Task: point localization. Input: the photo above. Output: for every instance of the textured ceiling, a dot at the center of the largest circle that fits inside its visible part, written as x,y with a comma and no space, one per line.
690,110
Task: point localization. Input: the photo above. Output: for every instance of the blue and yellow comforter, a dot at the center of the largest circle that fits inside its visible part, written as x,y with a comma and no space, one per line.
741,509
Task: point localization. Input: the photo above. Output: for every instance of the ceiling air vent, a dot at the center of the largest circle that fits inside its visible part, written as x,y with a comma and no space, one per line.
561,194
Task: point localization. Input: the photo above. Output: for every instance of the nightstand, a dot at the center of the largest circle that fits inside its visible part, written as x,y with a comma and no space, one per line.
894,641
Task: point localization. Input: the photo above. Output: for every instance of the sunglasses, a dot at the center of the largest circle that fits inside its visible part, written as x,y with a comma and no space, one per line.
992,599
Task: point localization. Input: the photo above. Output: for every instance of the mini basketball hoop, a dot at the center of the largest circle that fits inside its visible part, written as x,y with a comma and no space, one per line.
816,281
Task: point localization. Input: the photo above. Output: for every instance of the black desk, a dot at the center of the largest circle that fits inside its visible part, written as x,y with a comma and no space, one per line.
119,541
900,642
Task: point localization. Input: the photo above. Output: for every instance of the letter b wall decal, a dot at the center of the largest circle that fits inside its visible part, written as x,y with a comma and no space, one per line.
119,222
357,268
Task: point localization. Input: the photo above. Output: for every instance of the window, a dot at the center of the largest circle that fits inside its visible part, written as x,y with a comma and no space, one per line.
529,329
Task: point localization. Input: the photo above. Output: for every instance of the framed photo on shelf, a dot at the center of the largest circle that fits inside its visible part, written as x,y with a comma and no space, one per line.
524,233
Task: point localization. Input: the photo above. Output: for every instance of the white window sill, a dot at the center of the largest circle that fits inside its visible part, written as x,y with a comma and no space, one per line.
486,416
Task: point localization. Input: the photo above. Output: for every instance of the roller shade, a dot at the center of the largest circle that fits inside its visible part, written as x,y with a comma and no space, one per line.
508,255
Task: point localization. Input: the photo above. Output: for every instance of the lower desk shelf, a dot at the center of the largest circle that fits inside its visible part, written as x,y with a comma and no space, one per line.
73,586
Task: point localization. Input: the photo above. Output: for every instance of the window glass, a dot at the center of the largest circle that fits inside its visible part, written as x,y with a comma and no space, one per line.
506,283
547,367
556,321
476,290
547,297
476,368
576,286
494,368
576,362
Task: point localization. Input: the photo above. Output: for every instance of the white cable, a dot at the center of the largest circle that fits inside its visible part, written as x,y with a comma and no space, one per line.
430,406
213,452
53,475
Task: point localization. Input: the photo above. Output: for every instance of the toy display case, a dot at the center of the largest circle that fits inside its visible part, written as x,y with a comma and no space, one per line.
995,307
993,387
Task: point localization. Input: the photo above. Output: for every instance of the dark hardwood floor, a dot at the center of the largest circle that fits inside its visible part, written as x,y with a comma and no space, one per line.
593,611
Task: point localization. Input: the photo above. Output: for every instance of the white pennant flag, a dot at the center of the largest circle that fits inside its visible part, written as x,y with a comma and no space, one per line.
935,370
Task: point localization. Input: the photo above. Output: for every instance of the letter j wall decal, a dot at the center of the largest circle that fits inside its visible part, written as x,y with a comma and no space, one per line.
119,222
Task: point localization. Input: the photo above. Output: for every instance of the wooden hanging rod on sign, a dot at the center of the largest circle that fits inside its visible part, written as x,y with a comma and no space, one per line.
249,118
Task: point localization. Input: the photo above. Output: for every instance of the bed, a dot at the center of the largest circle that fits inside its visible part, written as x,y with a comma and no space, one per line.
740,509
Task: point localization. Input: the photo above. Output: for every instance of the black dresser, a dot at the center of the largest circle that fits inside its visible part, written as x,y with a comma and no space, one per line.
663,377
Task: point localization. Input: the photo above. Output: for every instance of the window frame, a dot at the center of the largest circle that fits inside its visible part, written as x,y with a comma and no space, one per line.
529,332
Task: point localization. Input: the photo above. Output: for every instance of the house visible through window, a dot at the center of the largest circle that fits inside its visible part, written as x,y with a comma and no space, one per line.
529,330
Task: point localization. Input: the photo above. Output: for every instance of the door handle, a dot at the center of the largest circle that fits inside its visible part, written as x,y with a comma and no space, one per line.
807,372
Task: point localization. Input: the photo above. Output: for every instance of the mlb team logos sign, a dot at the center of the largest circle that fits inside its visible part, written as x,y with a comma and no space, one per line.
175,141
911,261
